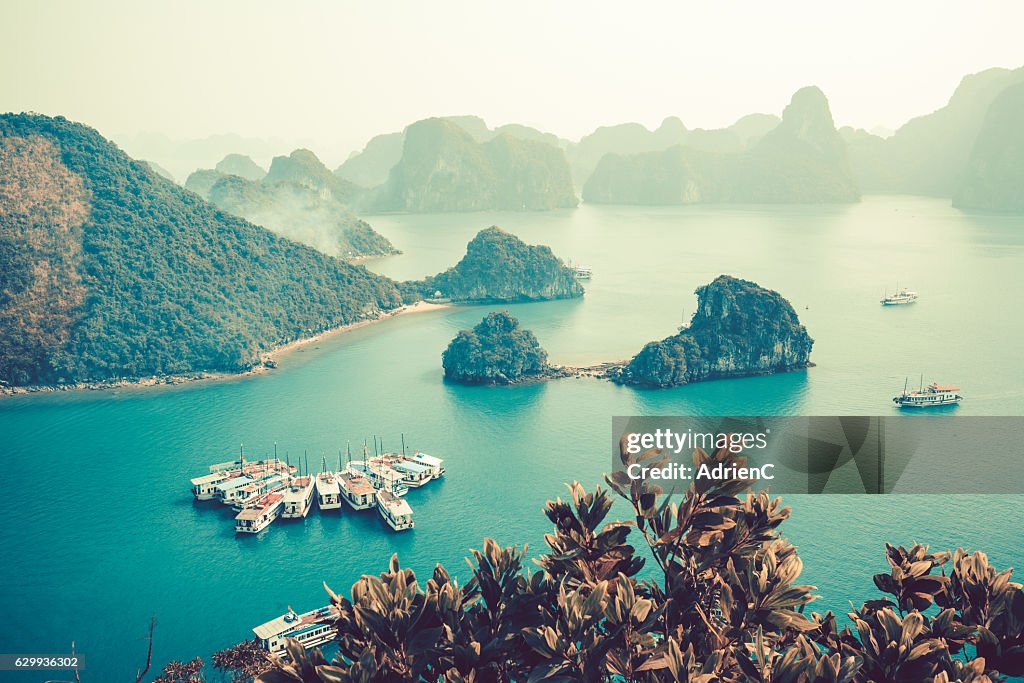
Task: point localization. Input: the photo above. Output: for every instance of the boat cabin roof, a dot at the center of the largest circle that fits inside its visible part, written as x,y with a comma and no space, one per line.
234,483
413,467
208,478
943,387
396,505
254,513
355,484
428,460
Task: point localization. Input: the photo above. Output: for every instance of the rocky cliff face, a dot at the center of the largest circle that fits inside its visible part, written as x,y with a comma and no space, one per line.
496,351
499,266
994,180
739,329
443,168
801,160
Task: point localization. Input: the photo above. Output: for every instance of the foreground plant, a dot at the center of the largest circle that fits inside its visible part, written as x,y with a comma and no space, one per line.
722,605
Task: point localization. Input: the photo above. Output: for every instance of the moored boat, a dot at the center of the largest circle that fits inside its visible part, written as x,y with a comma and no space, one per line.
393,510
253,520
434,465
356,490
298,497
328,491
929,397
250,494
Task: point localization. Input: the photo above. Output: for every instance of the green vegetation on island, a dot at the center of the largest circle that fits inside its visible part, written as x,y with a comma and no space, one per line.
300,213
109,271
496,351
500,267
739,328
801,160
298,199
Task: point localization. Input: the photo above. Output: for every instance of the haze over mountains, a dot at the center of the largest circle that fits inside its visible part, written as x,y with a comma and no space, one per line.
298,198
458,163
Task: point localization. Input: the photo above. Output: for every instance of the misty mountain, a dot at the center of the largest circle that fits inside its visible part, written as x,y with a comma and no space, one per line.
300,213
444,168
371,166
240,165
801,160
994,178
299,198
929,154
107,270
160,170
182,156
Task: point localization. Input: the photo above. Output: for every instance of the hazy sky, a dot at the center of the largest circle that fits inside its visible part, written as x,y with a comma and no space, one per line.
339,72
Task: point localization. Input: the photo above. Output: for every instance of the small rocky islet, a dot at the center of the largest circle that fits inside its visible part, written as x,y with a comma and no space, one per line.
739,329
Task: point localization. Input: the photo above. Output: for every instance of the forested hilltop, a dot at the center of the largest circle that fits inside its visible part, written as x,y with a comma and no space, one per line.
108,270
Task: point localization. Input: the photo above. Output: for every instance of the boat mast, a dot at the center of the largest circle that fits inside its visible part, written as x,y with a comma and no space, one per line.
403,443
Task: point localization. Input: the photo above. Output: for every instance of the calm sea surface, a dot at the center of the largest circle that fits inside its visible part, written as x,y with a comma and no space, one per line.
100,531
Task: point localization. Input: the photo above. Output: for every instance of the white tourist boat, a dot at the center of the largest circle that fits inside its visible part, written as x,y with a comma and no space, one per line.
929,397
581,272
434,465
310,629
356,490
250,494
328,491
206,486
298,497
381,475
395,511
901,297
253,520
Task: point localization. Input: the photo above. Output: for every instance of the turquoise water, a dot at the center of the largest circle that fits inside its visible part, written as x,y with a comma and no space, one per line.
100,531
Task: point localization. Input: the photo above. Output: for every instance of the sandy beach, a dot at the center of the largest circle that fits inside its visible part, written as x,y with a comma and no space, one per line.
268,360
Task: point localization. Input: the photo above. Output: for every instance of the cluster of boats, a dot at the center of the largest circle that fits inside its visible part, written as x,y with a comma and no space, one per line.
261,491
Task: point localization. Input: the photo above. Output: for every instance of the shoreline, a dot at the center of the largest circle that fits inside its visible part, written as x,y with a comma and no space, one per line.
268,361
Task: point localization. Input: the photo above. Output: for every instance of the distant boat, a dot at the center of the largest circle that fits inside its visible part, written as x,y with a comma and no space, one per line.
928,397
581,272
902,296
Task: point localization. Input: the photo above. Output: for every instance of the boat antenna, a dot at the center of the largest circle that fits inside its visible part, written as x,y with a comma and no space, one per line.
905,380
348,447
287,460
241,453
922,382
403,443
305,455
275,452
366,451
